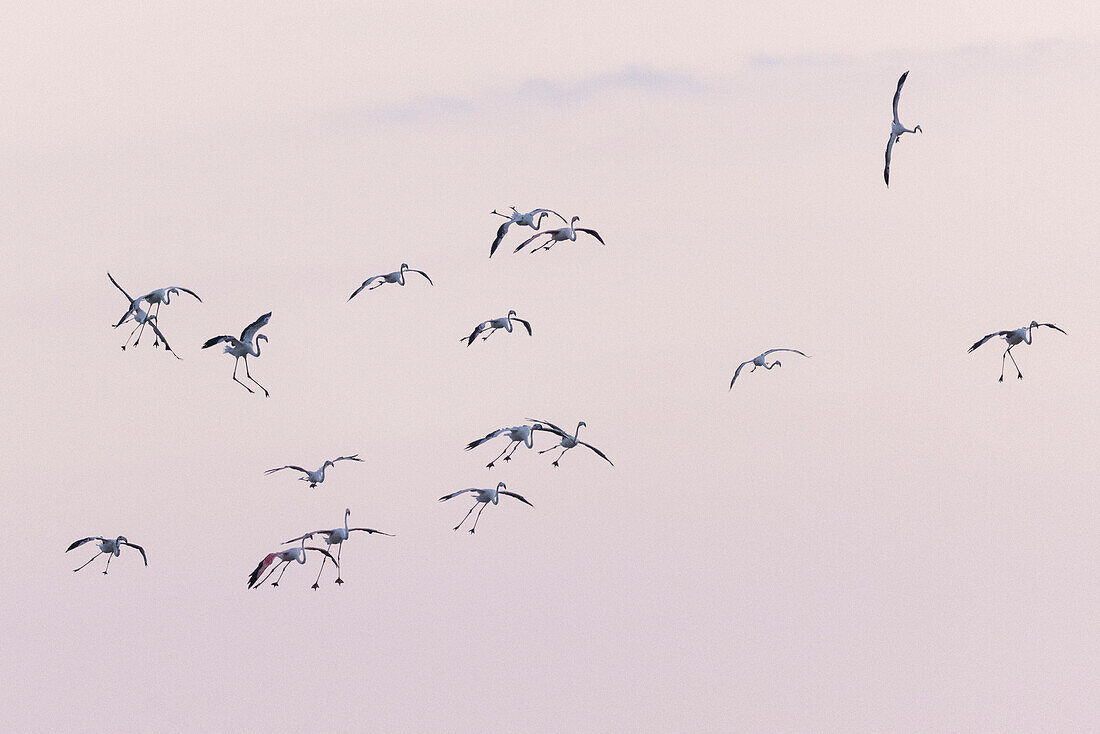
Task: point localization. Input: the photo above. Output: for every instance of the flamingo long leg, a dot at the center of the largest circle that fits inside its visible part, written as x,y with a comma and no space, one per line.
235,363
249,376
109,557
478,515
555,462
87,562
1002,377
136,327
467,515
281,573
502,453
270,571
515,446
339,552
324,558
489,334
1019,375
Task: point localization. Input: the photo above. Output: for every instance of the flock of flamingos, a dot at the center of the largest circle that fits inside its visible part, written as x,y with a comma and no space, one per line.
144,311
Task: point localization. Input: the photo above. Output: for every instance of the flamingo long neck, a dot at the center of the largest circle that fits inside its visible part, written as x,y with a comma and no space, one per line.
254,347
577,432
302,552
1027,334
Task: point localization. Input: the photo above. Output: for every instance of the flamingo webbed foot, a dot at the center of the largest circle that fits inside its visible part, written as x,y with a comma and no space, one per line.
339,581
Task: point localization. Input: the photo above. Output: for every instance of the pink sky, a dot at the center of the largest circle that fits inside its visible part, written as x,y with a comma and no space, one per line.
880,538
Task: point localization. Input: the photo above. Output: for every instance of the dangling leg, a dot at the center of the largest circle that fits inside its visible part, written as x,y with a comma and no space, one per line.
489,334
317,581
1002,377
281,573
266,393
478,515
235,363
87,562
1019,375
339,551
269,572
456,526
109,557
492,463
561,455
156,332
515,445
136,327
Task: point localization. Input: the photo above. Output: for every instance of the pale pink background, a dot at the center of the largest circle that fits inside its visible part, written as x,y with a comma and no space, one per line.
880,538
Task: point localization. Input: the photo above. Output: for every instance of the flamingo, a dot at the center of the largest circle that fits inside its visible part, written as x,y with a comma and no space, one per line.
315,477
248,344
284,556
494,324
141,317
520,220
1014,337
559,235
483,497
336,536
896,129
569,441
759,361
516,435
108,546
398,276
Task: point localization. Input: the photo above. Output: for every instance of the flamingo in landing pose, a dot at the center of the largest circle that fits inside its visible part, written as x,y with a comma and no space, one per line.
759,361
336,536
896,129
287,557
483,497
141,317
559,235
494,324
520,220
108,546
398,276
1014,337
517,435
248,344
315,477
569,441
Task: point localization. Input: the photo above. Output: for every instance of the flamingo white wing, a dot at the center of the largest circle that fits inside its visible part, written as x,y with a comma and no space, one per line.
82,541
738,371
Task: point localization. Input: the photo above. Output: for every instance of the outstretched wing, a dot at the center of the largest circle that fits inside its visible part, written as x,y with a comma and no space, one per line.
473,334
366,282
288,466
548,427
897,94
526,324
540,212
886,170
308,536
231,340
455,494
1054,327
371,530
532,238
494,434
598,452
410,270
592,232
782,349
517,496
322,550
133,303
153,324
251,329
501,231
267,561
140,550
986,338
738,371
82,541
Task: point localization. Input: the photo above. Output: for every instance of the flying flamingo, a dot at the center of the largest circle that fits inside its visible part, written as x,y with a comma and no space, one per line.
315,477
398,276
483,497
494,324
1014,337
248,344
287,557
520,220
141,317
336,536
896,129
517,435
559,235
569,441
108,546
759,361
